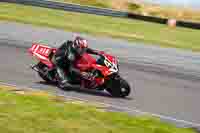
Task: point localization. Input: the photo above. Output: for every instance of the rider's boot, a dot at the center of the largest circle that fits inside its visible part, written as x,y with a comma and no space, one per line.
63,82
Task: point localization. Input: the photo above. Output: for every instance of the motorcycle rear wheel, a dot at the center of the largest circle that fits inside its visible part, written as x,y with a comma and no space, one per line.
44,70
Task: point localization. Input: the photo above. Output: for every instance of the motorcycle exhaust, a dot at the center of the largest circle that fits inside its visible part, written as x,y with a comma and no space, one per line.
34,67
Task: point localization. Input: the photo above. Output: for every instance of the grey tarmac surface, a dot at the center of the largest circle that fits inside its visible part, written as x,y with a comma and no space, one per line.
166,80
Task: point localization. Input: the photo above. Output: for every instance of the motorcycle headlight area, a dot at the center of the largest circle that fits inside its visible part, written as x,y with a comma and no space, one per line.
112,66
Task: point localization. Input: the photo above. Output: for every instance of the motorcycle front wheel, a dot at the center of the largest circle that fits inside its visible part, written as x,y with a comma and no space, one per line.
120,88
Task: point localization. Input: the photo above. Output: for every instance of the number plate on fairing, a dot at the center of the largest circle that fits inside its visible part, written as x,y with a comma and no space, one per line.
43,50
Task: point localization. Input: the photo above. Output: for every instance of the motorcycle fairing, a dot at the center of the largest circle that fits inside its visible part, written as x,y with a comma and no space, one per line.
42,52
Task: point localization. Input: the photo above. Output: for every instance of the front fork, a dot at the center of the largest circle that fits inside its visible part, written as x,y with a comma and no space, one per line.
113,81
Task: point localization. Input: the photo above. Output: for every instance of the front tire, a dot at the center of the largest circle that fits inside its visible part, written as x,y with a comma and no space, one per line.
120,88
124,88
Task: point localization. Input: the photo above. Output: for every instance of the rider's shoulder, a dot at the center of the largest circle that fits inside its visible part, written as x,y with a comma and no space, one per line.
66,43
69,42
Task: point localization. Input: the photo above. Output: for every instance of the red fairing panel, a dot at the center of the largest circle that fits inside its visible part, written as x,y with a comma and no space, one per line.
41,49
85,62
111,58
103,69
42,53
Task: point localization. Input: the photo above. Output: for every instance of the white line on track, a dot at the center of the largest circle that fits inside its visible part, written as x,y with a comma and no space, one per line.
128,110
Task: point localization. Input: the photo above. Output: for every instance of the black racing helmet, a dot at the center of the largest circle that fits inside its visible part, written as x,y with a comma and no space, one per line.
80,45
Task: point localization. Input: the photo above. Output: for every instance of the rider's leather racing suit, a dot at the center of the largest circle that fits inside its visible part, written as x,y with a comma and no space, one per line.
64,59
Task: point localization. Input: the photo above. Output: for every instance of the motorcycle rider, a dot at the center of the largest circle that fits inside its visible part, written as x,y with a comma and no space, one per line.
65,57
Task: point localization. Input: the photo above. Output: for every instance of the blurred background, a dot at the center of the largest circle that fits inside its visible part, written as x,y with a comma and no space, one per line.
186,3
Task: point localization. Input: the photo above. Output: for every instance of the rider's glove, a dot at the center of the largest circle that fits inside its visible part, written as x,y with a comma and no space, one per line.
101,52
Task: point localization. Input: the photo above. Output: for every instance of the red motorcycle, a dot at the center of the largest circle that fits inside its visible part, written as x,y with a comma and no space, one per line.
104,69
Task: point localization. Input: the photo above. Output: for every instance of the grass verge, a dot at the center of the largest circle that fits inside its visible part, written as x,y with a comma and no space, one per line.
139,7
21,112
96,3
132,30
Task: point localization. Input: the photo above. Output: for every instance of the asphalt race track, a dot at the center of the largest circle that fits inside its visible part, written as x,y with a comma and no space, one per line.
162,90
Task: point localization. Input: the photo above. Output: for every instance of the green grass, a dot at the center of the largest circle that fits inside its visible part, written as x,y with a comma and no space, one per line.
43,114
136,6
132,30
97,3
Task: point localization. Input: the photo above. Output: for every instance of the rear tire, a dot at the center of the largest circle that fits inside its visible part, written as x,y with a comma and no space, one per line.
42,67
45,78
